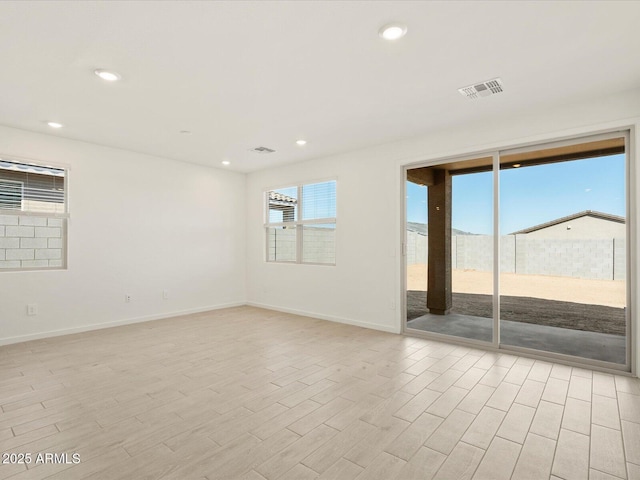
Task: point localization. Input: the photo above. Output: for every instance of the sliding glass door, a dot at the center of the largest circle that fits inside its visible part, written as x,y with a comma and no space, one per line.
563,260
524,249
449,249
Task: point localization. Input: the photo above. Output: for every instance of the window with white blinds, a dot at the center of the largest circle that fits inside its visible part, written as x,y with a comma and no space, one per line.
301,223
11,194
33,216
32,188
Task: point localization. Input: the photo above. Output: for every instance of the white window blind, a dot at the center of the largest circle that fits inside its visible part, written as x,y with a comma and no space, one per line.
32,188
33,216
301,223
11,194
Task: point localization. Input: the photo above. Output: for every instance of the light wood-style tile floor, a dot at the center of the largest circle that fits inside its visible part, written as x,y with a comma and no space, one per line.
245,393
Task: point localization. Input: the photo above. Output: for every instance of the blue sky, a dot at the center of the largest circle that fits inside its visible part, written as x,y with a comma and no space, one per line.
530,196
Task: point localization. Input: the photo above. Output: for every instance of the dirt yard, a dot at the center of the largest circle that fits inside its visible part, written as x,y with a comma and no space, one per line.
591,292
577,304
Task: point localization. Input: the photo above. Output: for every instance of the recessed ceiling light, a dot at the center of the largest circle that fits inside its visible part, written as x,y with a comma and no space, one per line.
393,31
226,162
301,142
55,124
516,165
107,75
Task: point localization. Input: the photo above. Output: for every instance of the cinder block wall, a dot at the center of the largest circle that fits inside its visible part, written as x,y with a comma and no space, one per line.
31,242
602,259
318,246
584,258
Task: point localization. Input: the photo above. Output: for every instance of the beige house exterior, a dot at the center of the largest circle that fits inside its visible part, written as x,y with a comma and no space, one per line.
587,224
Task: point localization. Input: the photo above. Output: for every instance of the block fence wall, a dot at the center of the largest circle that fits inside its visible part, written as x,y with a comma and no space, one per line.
31,241
602,259
318,245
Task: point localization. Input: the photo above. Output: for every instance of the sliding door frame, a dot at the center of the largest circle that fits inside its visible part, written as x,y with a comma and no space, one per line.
493,345
631,252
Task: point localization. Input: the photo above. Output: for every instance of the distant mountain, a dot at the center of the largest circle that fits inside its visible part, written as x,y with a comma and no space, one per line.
421,228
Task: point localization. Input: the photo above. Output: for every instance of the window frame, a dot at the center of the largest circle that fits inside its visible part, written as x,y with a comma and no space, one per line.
298,223
40,163
64,215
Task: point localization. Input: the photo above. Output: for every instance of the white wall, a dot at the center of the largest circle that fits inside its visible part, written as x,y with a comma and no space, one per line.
362,285
138,225
366,281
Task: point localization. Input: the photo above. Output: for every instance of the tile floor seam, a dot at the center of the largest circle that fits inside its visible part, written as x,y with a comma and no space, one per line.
517,459
555,451
484,450
435,474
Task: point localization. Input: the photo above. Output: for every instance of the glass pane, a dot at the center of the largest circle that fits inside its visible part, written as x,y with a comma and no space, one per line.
319,244
563,259
281,244
283,205
319,201
450,249
38,243
31,188
472,254
416,251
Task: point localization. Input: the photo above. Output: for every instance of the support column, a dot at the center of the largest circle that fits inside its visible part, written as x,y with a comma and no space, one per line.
439,299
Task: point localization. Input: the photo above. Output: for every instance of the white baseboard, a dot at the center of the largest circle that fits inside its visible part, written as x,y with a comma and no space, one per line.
348,321
148,318
117,323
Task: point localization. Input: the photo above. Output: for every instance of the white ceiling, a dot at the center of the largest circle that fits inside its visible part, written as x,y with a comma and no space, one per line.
259,73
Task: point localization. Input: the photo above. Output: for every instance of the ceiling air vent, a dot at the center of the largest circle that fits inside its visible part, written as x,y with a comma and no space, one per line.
482,89
262,150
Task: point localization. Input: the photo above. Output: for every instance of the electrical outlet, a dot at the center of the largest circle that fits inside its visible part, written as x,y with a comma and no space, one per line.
392,305
32,309
127,298
165,294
